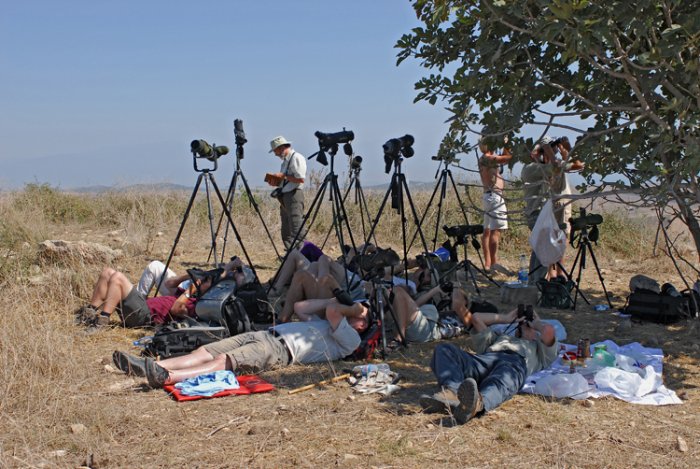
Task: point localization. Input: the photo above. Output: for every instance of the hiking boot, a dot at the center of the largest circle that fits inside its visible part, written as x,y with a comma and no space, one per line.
470,402
445,401
86,314
156,374
129,364
102,320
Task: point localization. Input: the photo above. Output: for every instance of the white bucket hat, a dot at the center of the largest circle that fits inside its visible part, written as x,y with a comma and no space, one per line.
278,142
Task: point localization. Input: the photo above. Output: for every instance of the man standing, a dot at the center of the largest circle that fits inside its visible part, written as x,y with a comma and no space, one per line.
543,178
289,182
495,212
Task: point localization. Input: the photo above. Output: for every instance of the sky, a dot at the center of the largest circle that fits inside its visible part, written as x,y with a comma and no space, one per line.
112,92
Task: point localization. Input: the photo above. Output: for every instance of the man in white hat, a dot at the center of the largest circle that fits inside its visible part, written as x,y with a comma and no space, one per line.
289,182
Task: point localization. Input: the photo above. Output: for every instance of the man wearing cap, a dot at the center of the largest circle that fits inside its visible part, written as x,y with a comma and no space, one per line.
289,182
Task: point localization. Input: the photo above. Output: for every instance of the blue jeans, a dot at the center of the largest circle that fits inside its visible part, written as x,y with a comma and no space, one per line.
499,375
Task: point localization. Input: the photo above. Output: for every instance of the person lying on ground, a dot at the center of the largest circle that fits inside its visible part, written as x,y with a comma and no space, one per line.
174,284
316,340
474,383
419,320
114,292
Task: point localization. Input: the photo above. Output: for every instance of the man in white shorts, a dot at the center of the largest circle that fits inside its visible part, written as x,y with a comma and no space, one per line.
495,212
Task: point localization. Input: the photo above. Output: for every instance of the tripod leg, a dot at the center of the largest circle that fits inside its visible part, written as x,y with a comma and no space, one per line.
330,228
210,213
229,204
182,227
427,208
315,205
251,198
233,227
364,210
433,271
600,276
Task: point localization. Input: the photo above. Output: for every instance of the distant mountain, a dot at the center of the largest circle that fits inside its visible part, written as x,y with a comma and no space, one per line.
158,187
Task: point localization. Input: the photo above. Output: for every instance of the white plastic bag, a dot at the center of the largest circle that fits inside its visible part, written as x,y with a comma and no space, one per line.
562,385
626,384
547,240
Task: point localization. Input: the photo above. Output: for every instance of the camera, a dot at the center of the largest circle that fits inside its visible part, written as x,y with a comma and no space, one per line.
461,231
447,287
395,147
585,220
329,143
202,149
526,312
238,132
447,157
356,163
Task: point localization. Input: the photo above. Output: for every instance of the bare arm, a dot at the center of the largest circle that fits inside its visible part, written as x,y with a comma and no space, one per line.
173,282
336,313
425,297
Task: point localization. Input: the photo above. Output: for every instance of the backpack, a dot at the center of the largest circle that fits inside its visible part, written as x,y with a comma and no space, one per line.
648,305
255,302
368,344
182,337
555,294
220,306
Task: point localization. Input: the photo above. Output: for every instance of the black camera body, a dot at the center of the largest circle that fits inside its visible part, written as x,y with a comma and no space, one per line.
585,221
394,148
356,162
239,133
201,149
327,140
461,231
526,312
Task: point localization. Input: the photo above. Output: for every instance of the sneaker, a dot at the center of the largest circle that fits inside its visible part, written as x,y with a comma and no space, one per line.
470,402
102,320
129,364
156,374
445,401
86,314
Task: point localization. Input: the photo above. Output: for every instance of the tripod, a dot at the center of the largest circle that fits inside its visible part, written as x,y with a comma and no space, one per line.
206,175
339,216
468,266
583,243
380,303
441,184
397,189
355,168
238,173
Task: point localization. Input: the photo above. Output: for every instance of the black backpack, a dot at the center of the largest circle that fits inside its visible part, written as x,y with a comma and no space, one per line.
647,305
181,337
255,302
555,294
235,316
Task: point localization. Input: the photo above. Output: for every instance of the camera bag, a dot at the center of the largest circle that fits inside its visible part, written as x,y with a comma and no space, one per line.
647,305
255,302
369,341
219,305
182,337
555,294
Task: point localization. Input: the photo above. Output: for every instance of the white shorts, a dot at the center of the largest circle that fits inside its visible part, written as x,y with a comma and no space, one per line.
495,212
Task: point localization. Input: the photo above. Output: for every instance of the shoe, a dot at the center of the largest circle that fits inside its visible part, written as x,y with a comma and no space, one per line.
445,401
129,364
102,320
393,346
156,374
86,314
470,402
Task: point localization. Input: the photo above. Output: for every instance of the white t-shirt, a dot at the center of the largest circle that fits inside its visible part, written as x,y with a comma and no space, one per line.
293,165
315,341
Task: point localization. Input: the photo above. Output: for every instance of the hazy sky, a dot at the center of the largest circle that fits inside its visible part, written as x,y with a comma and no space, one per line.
112,92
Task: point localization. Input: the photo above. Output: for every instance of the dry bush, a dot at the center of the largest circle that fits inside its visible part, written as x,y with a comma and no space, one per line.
53,376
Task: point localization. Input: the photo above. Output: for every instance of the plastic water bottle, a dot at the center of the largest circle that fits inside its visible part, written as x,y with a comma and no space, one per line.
524,269
143,341
366,370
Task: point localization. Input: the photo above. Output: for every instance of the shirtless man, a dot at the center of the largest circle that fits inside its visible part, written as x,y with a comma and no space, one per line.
495,213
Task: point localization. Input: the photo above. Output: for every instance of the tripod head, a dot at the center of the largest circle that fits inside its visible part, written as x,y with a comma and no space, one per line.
460,233
328,142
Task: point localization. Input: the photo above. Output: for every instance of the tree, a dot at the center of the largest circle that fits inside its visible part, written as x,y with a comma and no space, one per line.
629,70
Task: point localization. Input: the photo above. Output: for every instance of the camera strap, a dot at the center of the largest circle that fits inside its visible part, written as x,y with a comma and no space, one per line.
286,170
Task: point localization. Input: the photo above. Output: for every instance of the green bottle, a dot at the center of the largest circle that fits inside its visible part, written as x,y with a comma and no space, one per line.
602,357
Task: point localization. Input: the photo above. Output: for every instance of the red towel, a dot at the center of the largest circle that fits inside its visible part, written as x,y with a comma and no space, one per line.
250,384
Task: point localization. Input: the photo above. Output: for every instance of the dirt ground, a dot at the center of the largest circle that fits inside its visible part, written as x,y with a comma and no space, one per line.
101,418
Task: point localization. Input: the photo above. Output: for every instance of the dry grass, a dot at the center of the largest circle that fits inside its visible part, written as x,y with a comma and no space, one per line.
53,376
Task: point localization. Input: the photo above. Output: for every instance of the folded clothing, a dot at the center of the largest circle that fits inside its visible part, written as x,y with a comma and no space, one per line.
208,384
249,384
